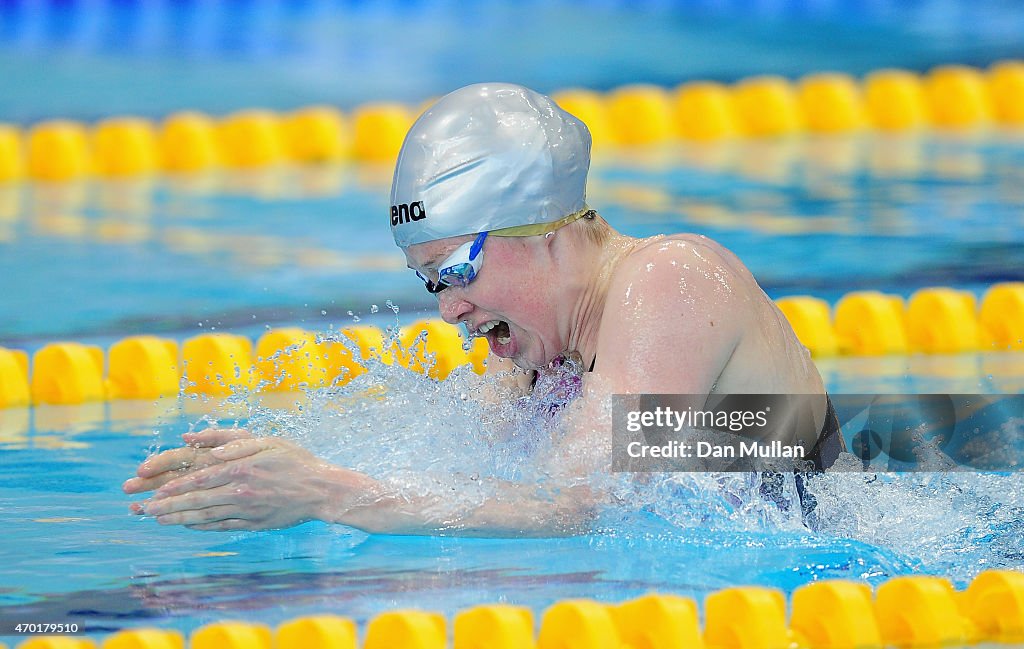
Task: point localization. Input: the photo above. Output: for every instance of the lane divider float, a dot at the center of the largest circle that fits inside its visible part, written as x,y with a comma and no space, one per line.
948,97
933,321
862,323
908,611
219,364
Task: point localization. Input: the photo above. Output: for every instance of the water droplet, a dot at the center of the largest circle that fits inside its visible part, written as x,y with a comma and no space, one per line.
374,308
323,312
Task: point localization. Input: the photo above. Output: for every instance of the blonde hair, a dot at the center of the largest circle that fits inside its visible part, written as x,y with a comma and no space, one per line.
595,228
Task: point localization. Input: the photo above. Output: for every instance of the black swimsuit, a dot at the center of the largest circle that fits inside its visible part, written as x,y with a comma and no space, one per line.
824,454
830,442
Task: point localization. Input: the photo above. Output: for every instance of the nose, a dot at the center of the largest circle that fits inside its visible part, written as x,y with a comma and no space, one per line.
453,306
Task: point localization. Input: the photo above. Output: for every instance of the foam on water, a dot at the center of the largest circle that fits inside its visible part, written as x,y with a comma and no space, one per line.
955,524
439,439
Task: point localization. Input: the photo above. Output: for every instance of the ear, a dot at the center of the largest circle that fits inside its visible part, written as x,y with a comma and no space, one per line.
547,240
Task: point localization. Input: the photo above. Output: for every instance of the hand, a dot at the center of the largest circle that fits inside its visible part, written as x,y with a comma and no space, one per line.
246,483
160,469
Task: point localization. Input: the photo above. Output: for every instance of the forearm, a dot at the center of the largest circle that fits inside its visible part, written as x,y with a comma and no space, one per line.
512,510
521,511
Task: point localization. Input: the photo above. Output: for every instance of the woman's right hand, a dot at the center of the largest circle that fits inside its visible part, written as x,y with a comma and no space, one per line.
159,469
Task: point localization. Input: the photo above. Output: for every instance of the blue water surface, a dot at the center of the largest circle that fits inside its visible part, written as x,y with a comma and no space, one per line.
74,553
97,261
308,247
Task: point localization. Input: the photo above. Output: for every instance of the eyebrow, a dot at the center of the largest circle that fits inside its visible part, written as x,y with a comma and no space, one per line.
433,261
438,258
426,265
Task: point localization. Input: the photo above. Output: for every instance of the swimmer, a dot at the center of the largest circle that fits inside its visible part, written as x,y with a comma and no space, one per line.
488,204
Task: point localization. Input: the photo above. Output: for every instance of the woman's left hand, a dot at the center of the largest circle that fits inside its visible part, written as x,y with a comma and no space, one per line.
256,483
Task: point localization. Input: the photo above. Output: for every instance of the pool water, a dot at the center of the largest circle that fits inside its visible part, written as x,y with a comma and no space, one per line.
231,258
154,58
74,553
309,246
97,261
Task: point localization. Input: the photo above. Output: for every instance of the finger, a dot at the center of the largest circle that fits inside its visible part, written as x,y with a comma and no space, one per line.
193,500
226,524
215,437
140,485
199,516
134,486
239,448
176,458
209,478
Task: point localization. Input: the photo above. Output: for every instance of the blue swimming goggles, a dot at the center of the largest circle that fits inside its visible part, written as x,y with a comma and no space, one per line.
460,268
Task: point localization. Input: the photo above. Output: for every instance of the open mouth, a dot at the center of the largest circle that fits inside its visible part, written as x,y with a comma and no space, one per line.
496,331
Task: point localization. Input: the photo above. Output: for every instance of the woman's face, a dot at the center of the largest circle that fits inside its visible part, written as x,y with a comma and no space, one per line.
509,302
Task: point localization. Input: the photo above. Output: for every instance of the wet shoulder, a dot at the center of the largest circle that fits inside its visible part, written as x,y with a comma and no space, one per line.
679,255
674,314
676,281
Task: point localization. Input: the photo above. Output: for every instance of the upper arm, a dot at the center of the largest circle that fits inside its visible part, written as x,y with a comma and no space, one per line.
675,312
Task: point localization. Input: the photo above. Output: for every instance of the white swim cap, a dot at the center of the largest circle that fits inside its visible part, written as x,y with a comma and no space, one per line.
488,157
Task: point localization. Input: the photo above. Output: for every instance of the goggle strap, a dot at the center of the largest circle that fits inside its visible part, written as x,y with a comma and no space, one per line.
478,244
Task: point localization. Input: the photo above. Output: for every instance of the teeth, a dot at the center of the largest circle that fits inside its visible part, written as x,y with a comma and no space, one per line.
487,326
502,340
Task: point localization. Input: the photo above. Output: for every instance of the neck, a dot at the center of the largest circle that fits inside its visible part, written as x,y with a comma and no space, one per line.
588,291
